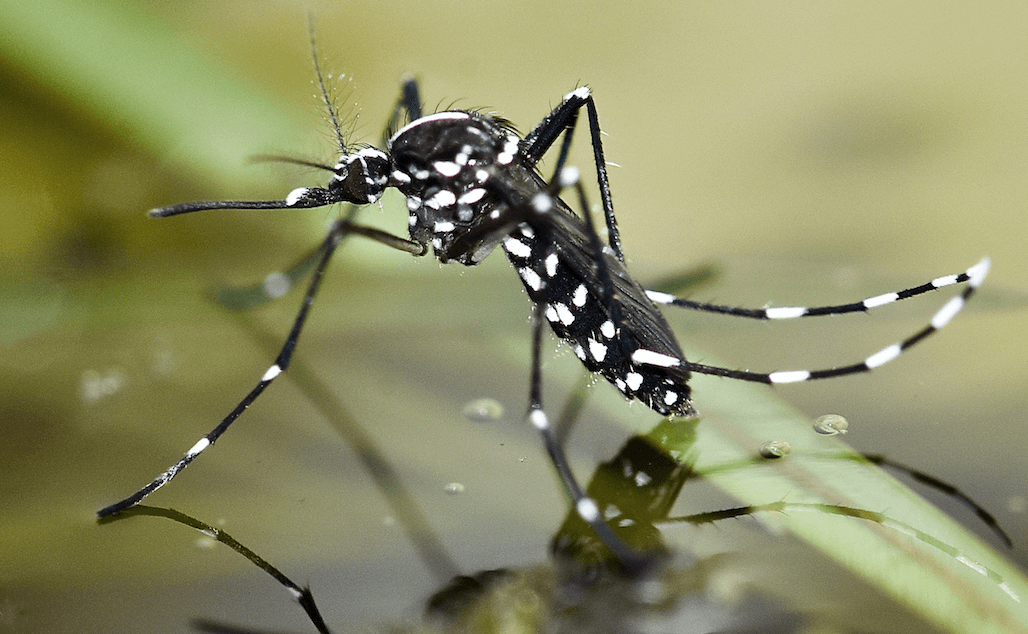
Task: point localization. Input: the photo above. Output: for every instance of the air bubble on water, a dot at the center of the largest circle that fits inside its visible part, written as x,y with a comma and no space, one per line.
163,361
775,449
276,284
454,488
483,410
831,424
95,385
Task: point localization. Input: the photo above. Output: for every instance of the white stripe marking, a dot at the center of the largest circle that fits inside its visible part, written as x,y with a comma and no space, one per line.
946,280
884,356
438,116
790,376
978,273
947,312
785,312
660,298
202,444
272,372
649,357
538,419
881,300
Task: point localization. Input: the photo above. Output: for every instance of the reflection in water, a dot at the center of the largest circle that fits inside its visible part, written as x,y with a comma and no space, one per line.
483,410
831,425
586,589
775,449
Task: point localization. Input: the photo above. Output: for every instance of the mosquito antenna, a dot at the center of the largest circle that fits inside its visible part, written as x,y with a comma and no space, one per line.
324,89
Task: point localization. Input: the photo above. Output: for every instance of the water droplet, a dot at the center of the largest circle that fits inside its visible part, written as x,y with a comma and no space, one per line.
454,488
775,449
831,424
483,410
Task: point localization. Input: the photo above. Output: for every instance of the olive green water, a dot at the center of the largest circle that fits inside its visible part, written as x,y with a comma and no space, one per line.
816,152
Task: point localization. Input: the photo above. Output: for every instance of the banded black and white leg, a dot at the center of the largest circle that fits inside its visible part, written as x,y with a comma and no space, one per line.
562,120
973,277
336,234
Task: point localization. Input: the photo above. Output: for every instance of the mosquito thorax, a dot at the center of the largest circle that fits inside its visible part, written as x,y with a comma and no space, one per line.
441,163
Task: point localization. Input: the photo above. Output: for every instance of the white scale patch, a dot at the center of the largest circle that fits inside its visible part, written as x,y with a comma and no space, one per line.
442,198
471,196
633,380
607,329
579,297
531,278
516,247
551,264
565,314
597,349
446,168
295,196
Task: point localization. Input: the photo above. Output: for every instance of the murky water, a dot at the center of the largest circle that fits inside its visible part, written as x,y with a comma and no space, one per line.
816,155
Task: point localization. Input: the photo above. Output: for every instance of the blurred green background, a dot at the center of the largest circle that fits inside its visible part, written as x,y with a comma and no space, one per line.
815,152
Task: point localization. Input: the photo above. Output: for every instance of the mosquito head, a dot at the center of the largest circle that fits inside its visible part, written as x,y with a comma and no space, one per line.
361,177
